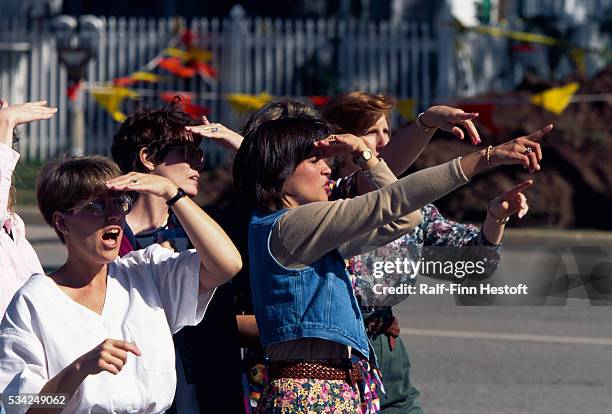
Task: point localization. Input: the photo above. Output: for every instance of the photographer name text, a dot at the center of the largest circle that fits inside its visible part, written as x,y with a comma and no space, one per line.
450,289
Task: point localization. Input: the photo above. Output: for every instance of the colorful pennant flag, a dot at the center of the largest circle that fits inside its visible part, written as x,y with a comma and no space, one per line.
578,56
145,77
169,96
406,108
137,77
73,90
206,71
193,54
557,99
515,35
319,100
110,98
175,66
242,102
187,37
125,81
186,103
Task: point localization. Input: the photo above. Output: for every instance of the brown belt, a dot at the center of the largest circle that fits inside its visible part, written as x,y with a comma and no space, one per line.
322,370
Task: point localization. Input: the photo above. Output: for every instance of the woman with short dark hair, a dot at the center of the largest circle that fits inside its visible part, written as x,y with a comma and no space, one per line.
307,315
99,329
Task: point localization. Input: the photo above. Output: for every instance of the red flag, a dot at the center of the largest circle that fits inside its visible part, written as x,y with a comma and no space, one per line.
123,81
523,47
319,100
174,65
205,70
186,105
187,38
170,95
485,114
196,111
73,91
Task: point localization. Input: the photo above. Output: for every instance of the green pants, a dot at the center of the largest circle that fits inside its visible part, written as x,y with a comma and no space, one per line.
400,394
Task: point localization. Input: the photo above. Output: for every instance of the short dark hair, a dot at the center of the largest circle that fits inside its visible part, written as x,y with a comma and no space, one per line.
63,184
155,129
356,112
282,108
269,155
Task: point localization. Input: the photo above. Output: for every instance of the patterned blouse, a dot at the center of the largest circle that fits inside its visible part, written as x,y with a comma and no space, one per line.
436,239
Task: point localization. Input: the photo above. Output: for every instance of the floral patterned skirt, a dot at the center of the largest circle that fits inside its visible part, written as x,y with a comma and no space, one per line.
302,395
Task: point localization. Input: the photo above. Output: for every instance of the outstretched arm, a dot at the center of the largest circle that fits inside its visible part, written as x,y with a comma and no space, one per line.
306,233
10,117
407,144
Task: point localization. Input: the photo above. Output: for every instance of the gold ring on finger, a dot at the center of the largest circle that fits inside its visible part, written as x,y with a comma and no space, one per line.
528,151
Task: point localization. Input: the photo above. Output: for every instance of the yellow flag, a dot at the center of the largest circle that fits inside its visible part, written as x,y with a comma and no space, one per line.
516,35
110,99
196,54
200,55
557,99
242,102
406,108
578,56
145,77
177,53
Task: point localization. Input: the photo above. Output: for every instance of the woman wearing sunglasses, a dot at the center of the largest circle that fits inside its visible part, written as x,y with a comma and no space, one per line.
97,332
158,142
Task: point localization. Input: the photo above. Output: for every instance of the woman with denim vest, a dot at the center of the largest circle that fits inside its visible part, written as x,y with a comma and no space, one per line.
308,318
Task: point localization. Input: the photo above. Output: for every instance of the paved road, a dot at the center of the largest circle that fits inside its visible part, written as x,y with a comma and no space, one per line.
490,359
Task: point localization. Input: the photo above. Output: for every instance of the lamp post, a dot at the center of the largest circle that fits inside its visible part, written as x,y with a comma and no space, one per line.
77,42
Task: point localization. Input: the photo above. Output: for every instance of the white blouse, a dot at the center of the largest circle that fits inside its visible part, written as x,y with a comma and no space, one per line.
150,295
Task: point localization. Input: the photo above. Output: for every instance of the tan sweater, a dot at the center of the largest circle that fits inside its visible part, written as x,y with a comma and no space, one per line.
354,226
306,233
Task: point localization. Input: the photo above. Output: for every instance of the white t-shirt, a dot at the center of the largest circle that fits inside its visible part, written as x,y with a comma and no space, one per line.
151,294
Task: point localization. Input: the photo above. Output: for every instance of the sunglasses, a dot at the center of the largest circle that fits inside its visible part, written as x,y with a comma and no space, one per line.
191,154
103,207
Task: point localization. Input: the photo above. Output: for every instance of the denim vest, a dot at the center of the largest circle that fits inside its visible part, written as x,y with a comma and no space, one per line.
316,301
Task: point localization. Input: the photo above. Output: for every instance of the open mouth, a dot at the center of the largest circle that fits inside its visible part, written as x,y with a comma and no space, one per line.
110,238
328,187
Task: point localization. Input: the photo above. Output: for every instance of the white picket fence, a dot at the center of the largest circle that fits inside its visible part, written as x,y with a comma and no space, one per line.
282,57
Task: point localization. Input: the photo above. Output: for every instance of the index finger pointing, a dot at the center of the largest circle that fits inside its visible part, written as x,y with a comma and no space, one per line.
540,132
520,187
464,116
127,346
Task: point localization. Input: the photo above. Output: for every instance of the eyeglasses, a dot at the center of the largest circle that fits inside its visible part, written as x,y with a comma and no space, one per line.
103,207
191,154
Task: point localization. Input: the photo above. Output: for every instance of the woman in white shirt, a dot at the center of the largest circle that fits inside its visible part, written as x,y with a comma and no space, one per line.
98,330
